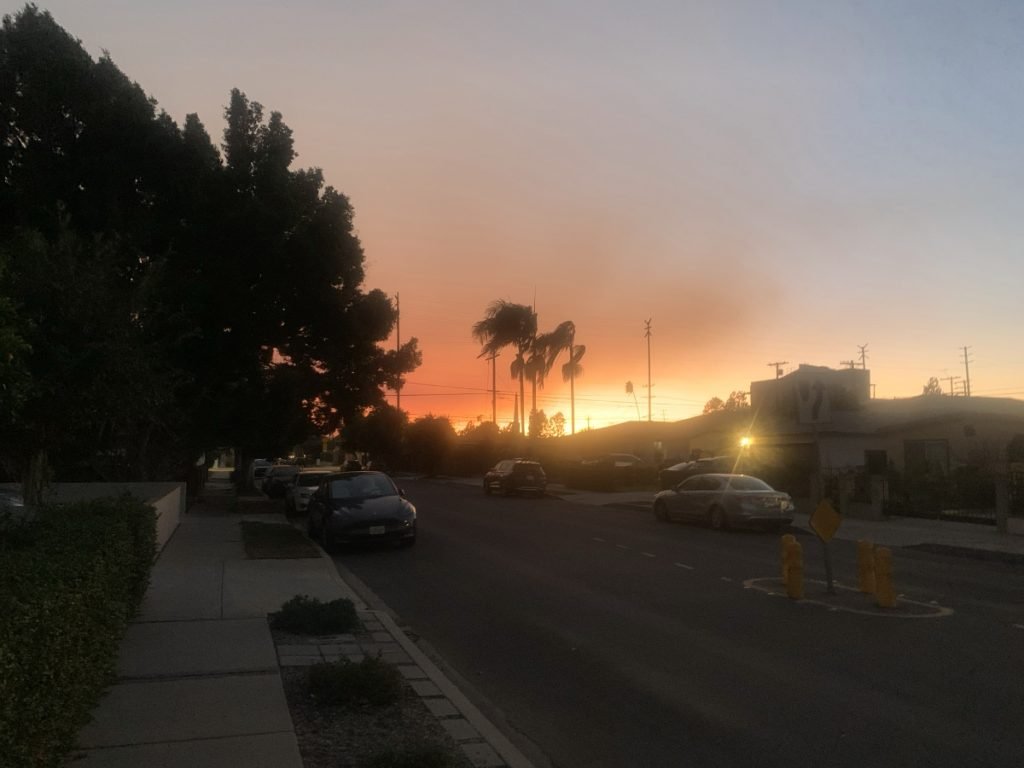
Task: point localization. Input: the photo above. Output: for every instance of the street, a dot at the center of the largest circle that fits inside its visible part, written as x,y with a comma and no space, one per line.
599,637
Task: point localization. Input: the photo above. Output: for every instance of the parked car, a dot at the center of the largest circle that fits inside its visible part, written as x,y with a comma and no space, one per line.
672,476
725,501
353,507
279,479
516,476
297,496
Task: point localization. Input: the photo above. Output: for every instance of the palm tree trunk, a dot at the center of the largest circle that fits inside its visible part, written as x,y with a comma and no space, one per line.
522,401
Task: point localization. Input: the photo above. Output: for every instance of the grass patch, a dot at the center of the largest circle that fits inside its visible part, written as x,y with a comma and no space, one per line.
305,615
418,756
371,681
275,541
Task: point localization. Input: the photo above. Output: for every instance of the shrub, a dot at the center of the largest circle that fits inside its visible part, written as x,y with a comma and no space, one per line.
305,615
371,681
66,594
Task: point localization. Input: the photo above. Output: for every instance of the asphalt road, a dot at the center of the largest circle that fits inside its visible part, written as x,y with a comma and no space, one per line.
600,637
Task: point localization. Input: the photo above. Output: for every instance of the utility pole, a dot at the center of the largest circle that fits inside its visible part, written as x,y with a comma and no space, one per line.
494,387
647,335
778,367
863,356
398,348
967,372
951,379
873,391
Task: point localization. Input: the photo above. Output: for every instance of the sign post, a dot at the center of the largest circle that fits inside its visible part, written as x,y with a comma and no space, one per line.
825,522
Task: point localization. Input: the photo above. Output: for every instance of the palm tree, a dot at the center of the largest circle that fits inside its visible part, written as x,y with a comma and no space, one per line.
564,338
506,324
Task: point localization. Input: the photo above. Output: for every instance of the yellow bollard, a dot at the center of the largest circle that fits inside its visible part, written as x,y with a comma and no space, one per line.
794,570
866,566
786,539
885,593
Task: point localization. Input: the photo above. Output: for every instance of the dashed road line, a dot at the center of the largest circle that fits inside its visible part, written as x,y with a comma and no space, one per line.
683,565
598,538
648,554
622,546
725,578
1019,626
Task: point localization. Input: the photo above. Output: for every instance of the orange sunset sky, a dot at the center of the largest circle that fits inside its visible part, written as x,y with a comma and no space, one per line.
765,181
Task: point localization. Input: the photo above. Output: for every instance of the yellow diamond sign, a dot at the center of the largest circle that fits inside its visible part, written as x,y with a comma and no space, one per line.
825,520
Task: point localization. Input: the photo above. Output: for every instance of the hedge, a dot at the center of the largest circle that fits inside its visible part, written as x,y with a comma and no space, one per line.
69,582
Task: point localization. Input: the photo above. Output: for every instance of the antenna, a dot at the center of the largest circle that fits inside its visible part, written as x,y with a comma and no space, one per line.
863,356
647,335
851,364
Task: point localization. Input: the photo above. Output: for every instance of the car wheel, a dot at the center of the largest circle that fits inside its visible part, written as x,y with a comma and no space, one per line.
407,542
717,518
310,530
487,489
661,512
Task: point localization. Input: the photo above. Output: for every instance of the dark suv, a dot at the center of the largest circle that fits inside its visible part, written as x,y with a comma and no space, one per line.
516,476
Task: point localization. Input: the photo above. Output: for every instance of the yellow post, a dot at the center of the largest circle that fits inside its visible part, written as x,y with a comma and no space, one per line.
885,593
866,566
794,570
786,539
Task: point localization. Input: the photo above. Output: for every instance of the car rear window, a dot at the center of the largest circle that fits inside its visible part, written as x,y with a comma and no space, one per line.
748,484
313,478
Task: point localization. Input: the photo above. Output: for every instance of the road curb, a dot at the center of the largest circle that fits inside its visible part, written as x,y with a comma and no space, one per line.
511,756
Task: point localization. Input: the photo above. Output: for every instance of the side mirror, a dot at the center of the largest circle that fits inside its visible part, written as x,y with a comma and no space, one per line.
401,492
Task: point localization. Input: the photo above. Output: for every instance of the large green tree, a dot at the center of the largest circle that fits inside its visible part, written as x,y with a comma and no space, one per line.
159,296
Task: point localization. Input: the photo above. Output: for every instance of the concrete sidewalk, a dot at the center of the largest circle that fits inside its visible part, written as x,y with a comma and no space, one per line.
198,677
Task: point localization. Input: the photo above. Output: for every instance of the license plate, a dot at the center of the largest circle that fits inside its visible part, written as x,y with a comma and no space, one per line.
376,530
529,478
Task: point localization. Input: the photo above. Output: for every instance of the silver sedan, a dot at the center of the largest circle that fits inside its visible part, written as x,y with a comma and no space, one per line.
725,501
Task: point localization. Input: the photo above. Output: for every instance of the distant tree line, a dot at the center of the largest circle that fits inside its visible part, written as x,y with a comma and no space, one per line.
161,295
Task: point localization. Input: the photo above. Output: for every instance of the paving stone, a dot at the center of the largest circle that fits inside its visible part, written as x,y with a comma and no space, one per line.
425,688
299,661
298,650
482,755
396,657
373,626
441,707
336,648
355,658
382,637
460,729
412,672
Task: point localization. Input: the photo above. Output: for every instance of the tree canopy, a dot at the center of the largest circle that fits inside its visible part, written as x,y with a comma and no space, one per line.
160,295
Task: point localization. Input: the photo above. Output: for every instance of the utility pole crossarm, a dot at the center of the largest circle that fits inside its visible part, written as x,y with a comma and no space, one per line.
778,367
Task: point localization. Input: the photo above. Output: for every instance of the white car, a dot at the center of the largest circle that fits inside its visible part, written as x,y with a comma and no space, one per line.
306,482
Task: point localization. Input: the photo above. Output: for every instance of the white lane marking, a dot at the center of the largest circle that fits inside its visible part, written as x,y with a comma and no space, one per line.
647,554
683,565
726,578
1019,626
622,546
598,538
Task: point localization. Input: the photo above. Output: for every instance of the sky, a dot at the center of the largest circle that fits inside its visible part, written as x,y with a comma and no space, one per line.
764,181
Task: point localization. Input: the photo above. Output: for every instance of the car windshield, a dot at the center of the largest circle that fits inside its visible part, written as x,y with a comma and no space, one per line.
359,486
311,479
748,484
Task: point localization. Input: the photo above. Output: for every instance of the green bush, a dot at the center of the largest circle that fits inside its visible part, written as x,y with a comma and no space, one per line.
67,592
305,615
371,681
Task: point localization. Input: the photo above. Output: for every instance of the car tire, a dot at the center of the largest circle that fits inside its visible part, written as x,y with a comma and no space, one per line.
661,512
406,543
716,516
487,489
310,530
